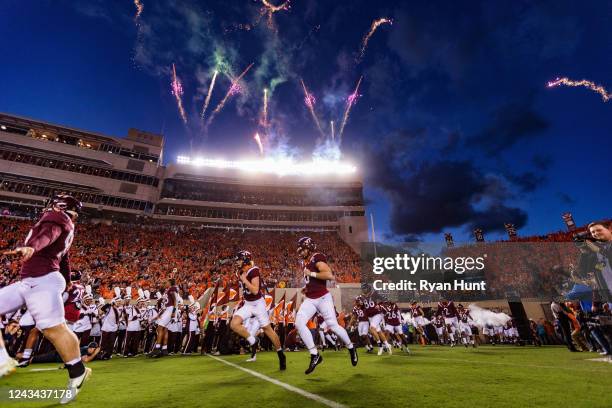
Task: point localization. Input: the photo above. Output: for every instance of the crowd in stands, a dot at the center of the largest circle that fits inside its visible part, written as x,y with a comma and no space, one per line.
146,256
263,195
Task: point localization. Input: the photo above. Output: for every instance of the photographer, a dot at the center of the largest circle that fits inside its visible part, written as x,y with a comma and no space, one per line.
596,255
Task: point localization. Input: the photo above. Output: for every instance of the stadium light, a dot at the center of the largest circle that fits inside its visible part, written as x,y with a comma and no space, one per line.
281,167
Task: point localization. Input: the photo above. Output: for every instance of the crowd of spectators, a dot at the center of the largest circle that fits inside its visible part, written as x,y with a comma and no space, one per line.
262,195
146,256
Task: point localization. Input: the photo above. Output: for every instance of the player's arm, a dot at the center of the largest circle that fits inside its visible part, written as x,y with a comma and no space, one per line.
325,272
253,285
47,234
87,358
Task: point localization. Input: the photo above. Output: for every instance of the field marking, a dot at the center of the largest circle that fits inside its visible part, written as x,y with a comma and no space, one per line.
286,386
505,364
43,369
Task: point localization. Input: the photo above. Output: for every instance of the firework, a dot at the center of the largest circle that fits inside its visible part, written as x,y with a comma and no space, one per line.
270,9
333,135
233,89
310,101
264,113
259,144
210,89
366,38
177,91
605,95
139,9
350,101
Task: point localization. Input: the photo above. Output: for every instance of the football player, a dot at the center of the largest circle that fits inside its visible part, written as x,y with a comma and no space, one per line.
45,272
318,300
448,310
465,328
393,324
363,325
166,317
418,317
376,318
254,306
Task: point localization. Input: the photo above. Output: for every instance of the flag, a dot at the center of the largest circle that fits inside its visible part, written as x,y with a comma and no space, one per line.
290,309
449,239
210,307
224,296
279,310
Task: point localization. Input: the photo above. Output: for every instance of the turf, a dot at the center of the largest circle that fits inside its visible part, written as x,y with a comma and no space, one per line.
502,376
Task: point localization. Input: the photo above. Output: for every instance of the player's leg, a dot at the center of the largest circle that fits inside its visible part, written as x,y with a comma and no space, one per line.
237,325
306,311
30,342
11,299
304,314
44,301
261,315
325,307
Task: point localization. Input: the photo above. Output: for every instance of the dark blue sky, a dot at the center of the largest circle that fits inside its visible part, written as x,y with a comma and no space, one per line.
454,128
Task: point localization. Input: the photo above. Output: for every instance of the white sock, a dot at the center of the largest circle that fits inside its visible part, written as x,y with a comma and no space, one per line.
157,345
165,347
73,362
27,353
251,340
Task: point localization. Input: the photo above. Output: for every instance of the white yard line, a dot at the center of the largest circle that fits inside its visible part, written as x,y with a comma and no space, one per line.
460,360
286,386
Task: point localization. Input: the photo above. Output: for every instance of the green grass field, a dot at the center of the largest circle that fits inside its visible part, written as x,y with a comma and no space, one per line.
502,376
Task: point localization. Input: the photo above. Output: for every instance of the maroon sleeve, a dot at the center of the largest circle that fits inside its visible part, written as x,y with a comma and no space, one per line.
47,234
65,267
319,258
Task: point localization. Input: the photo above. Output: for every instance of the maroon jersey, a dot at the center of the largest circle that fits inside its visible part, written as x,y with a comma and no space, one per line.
250,275
360,314
438,321
51,238
72,302
371,307
416,311
315,288
392,315
465,316
171,296
449,310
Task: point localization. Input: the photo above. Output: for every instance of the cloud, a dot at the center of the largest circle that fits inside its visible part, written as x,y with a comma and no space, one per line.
434,195
511,123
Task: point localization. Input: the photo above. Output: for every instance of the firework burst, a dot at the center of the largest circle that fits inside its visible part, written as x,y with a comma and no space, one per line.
139,8
333,134
350,101
309,101
264,112
605,95
233,89
259,144
366,38
177,91
210,90
270,9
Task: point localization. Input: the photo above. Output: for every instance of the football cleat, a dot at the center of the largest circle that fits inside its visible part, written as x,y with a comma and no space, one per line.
380,351
315,360
354,357
24,362
7,367
252,359
74,386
